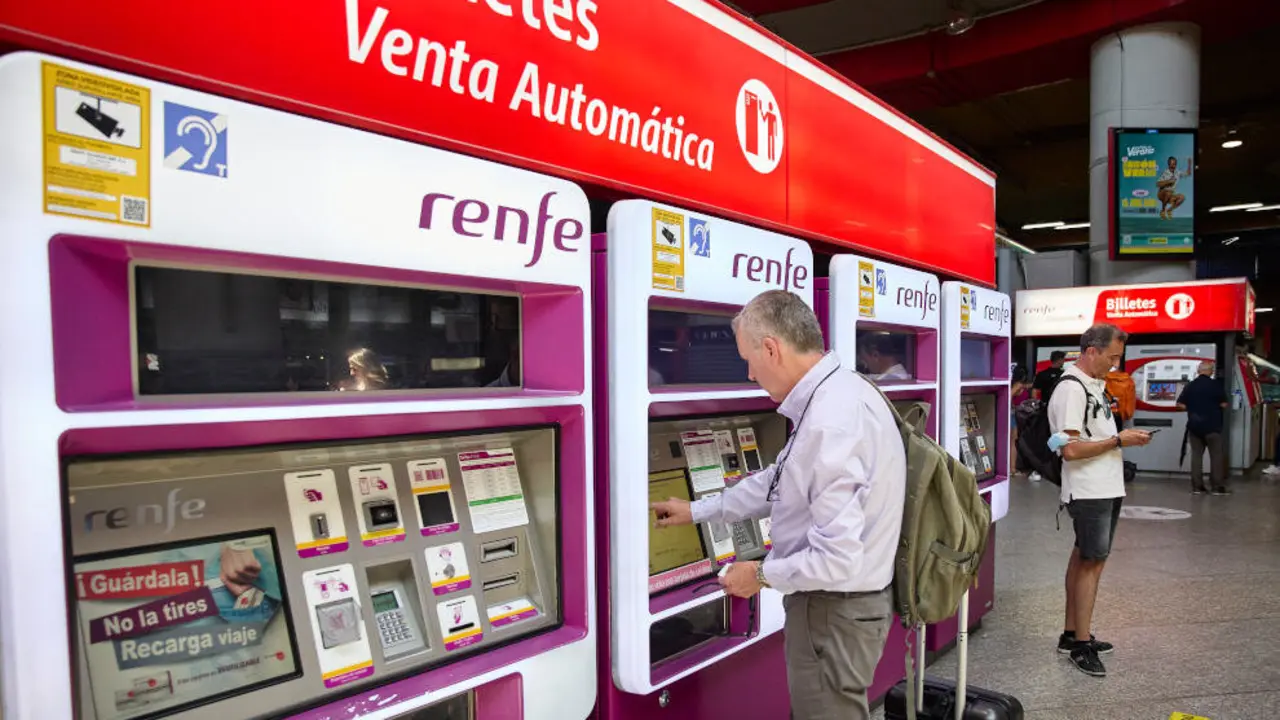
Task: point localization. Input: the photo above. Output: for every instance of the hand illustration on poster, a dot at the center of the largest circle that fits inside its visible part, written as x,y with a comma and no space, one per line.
166,628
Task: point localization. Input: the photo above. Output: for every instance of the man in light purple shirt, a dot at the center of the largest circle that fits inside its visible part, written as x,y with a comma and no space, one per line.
835,497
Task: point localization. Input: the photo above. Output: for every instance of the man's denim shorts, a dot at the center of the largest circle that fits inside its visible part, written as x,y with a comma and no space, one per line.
1095,523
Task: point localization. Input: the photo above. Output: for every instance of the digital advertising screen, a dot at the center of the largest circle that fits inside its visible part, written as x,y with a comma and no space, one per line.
1153,206
166,628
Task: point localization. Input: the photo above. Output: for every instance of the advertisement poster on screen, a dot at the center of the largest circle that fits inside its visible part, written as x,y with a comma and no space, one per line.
1155,193
168,628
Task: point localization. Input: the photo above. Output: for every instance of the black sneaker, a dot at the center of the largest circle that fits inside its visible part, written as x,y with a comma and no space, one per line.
1221,491
1085,658
1067,643
1198,491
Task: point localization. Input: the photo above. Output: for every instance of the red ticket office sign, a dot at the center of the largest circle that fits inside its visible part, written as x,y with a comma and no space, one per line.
677,100
1207,306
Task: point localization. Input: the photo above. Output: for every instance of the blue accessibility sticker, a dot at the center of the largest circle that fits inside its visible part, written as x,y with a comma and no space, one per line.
882,282
701,234
195,140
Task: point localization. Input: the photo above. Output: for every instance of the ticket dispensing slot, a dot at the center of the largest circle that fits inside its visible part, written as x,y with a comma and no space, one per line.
498,550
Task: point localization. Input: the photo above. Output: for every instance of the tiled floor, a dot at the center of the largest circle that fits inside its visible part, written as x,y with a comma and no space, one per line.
1192,605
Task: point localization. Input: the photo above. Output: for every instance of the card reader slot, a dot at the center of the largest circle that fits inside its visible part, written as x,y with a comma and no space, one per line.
499,550
501,582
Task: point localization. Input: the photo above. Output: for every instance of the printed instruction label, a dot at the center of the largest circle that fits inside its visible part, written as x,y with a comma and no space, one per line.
495,497
966,303
668,250
333,604
721,538
315,513
766,528
447,568
97,147
511,612
700,451
729,459
866,289
378,509
433,496
459,623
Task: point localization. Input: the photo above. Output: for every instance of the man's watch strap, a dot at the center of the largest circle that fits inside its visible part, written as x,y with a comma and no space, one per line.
1119,442
760,579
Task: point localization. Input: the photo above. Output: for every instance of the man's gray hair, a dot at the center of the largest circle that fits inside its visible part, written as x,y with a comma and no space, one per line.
782,315
1101,336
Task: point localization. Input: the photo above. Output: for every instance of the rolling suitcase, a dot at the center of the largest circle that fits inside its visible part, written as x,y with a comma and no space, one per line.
940,700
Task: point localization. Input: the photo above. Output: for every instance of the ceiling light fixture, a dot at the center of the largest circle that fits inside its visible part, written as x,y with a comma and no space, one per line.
1230,240
1258,310
1232,144
1043,225
1242,206
1072,226
1260,208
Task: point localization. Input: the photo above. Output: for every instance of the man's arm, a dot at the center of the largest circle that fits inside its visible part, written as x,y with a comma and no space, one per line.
748,499
839,484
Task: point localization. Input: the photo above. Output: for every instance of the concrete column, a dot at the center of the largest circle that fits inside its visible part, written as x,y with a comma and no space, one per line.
1147,76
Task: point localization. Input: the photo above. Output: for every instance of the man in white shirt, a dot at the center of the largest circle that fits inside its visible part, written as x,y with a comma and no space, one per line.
1167,187
1092,483
835,497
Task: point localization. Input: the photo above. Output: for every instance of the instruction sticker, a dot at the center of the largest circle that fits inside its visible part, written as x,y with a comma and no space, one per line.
495,497
729,459
97,155
447,568
668,250
433,496
866,289
374,490
342,646
721,538
766,526
966,301
700,451
315,512
459,623
508,613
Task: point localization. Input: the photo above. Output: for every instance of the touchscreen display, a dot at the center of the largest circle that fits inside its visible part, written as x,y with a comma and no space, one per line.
672,547
165,628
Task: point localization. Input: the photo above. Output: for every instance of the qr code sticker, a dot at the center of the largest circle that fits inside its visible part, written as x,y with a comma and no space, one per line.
133,209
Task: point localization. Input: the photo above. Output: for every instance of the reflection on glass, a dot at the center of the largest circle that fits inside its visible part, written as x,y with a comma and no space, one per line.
975,359
687,348
217,332
887,357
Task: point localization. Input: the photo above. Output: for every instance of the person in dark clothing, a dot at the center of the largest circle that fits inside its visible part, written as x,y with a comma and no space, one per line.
1047,378
1204,399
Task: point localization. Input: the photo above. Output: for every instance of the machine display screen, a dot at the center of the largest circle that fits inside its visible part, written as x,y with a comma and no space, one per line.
167,627
687,348
1163,390
383,602
672,547
207,332
887,357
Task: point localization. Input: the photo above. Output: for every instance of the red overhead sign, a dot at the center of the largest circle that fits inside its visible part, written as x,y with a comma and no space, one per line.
1207,306
678,100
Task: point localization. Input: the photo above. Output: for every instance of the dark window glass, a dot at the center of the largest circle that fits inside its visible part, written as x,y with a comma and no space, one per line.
975,359
693,349
218,332
887,357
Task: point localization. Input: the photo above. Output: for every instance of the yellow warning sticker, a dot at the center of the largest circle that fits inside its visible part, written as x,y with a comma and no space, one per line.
965,301
866,289
1186,716
668,250
97,136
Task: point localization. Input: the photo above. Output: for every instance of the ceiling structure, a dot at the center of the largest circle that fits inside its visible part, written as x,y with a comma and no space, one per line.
1012,91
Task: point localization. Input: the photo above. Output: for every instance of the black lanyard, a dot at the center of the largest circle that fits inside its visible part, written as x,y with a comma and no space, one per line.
777,475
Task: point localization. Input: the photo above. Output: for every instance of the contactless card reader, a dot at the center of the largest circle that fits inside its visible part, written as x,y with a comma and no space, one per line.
381,514
339,622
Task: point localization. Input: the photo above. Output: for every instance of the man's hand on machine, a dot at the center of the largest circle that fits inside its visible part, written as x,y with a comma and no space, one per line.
739,579
672,511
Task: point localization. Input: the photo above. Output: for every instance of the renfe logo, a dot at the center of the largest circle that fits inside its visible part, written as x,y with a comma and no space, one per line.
925,300
997,314
787,277
159,515
474,218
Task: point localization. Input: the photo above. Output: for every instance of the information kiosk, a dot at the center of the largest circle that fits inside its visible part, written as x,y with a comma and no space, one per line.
297,417
684,420
976,418
1172,328
882,320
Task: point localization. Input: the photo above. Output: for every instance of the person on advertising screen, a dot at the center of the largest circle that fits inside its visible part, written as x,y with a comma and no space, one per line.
1203,400
835,497
1167,187
1092,483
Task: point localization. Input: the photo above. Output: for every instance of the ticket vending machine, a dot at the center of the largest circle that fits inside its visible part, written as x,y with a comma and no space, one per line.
290,433
976,418
678,417
1160,372
882,320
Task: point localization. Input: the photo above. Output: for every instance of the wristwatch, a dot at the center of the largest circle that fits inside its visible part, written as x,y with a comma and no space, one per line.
760,579
1119,442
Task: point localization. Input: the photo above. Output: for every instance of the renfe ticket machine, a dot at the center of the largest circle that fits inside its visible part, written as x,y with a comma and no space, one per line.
976,422
301,421
684,420
882,320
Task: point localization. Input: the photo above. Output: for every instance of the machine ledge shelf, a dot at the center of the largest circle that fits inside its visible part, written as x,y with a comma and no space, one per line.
676,395
988,382
664,606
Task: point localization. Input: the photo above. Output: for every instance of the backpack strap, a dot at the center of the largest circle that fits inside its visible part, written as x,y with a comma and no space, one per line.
1084,422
